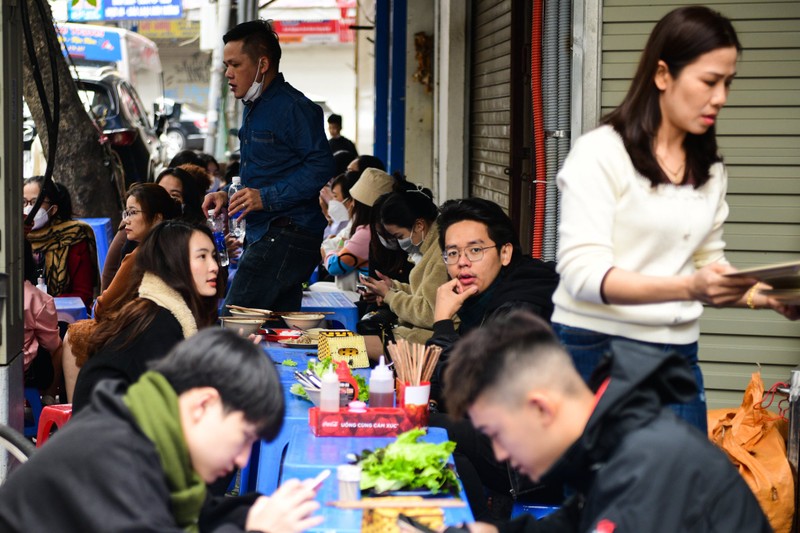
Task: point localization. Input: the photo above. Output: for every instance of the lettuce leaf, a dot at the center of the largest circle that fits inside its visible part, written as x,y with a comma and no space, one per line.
408,464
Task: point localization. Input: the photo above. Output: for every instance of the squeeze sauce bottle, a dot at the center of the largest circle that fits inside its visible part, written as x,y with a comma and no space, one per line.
381,386
329,392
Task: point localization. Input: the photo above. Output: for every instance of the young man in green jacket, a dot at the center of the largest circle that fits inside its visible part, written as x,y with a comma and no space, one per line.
140,460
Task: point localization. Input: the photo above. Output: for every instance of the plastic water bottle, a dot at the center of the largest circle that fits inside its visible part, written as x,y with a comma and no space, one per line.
40,284
381,386
235,227
329,392
216,224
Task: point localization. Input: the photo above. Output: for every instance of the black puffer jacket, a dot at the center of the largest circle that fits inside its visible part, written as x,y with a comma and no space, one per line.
638,468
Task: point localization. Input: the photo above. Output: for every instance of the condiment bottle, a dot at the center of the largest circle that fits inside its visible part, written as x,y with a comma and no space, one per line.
381,386
349,386
329,392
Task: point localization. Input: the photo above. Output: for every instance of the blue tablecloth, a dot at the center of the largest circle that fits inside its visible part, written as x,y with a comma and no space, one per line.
307,456
70,309
103,235
344,311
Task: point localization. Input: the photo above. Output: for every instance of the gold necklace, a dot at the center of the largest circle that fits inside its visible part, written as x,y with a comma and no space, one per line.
675,176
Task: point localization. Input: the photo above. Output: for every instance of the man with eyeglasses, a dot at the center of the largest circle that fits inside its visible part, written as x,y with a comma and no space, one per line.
489,277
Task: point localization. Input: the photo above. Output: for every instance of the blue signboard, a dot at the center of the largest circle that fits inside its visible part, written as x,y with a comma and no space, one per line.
84,10
91,42
94,10
142,9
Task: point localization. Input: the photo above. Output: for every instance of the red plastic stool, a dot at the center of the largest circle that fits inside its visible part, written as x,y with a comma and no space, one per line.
52,415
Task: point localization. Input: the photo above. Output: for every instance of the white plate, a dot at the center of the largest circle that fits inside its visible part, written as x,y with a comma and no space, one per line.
289,344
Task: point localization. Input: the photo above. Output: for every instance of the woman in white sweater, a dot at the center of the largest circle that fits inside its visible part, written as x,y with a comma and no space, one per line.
643,204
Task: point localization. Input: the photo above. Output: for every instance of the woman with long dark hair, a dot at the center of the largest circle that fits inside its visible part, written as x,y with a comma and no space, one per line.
173,292
643,204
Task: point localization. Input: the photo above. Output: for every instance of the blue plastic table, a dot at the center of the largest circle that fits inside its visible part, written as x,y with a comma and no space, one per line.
344,311
70,309
307,456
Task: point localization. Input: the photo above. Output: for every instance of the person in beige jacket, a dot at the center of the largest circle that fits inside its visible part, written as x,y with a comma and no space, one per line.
410,217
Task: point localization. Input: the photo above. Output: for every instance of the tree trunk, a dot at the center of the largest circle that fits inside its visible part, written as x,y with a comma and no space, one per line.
81,163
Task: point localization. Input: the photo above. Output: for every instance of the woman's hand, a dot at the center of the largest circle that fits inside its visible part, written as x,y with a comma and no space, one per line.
380,287
288,510
710,285
450,297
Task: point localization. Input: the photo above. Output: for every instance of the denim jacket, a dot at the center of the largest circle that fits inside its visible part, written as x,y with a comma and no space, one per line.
285,155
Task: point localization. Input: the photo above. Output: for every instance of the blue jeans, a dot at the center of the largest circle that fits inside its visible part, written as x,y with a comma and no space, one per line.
272,270
587,348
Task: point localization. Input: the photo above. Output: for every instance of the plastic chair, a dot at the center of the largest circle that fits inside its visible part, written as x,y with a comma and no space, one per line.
35,401
52,415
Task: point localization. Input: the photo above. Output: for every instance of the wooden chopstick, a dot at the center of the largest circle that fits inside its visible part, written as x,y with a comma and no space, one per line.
267,312
383,503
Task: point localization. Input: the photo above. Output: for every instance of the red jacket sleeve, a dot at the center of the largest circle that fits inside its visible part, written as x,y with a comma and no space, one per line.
82,269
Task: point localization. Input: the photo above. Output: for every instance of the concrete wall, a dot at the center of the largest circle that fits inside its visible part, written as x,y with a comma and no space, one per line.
326,73
418,165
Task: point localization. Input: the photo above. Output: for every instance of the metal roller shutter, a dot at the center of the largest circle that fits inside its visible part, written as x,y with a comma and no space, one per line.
759,137
490,101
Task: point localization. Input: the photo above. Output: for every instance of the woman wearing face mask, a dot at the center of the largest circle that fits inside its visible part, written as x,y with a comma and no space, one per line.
147,205
350,258
173,292
410,217
65,249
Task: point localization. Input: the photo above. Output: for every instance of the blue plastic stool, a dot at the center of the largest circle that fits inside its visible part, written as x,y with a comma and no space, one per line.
32,395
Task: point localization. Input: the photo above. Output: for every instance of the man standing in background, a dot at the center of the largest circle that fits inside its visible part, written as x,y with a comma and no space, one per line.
285,161
337,142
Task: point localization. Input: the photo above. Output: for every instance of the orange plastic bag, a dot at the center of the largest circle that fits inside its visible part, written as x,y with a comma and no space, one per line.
754,440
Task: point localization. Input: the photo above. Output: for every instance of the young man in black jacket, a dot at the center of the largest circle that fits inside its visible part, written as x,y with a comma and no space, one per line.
632,464
489,277
140,460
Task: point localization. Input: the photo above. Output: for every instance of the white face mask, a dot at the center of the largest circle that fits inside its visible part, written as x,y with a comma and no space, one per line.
40,219
338,211
255,88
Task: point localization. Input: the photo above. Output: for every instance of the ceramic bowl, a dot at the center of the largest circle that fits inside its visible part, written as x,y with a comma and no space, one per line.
304,322
246,325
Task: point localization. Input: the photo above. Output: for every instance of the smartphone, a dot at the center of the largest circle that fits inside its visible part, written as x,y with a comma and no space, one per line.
361,288
316,482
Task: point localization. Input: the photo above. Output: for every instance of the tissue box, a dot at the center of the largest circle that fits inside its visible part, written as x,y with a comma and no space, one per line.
342,345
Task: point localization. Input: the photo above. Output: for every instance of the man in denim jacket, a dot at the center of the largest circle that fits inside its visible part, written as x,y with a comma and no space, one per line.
285,161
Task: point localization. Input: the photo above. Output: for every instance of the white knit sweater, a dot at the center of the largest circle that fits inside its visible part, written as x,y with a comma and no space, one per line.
612,217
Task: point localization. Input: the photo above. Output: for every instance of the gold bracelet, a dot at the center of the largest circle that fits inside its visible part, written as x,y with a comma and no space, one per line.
751,296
